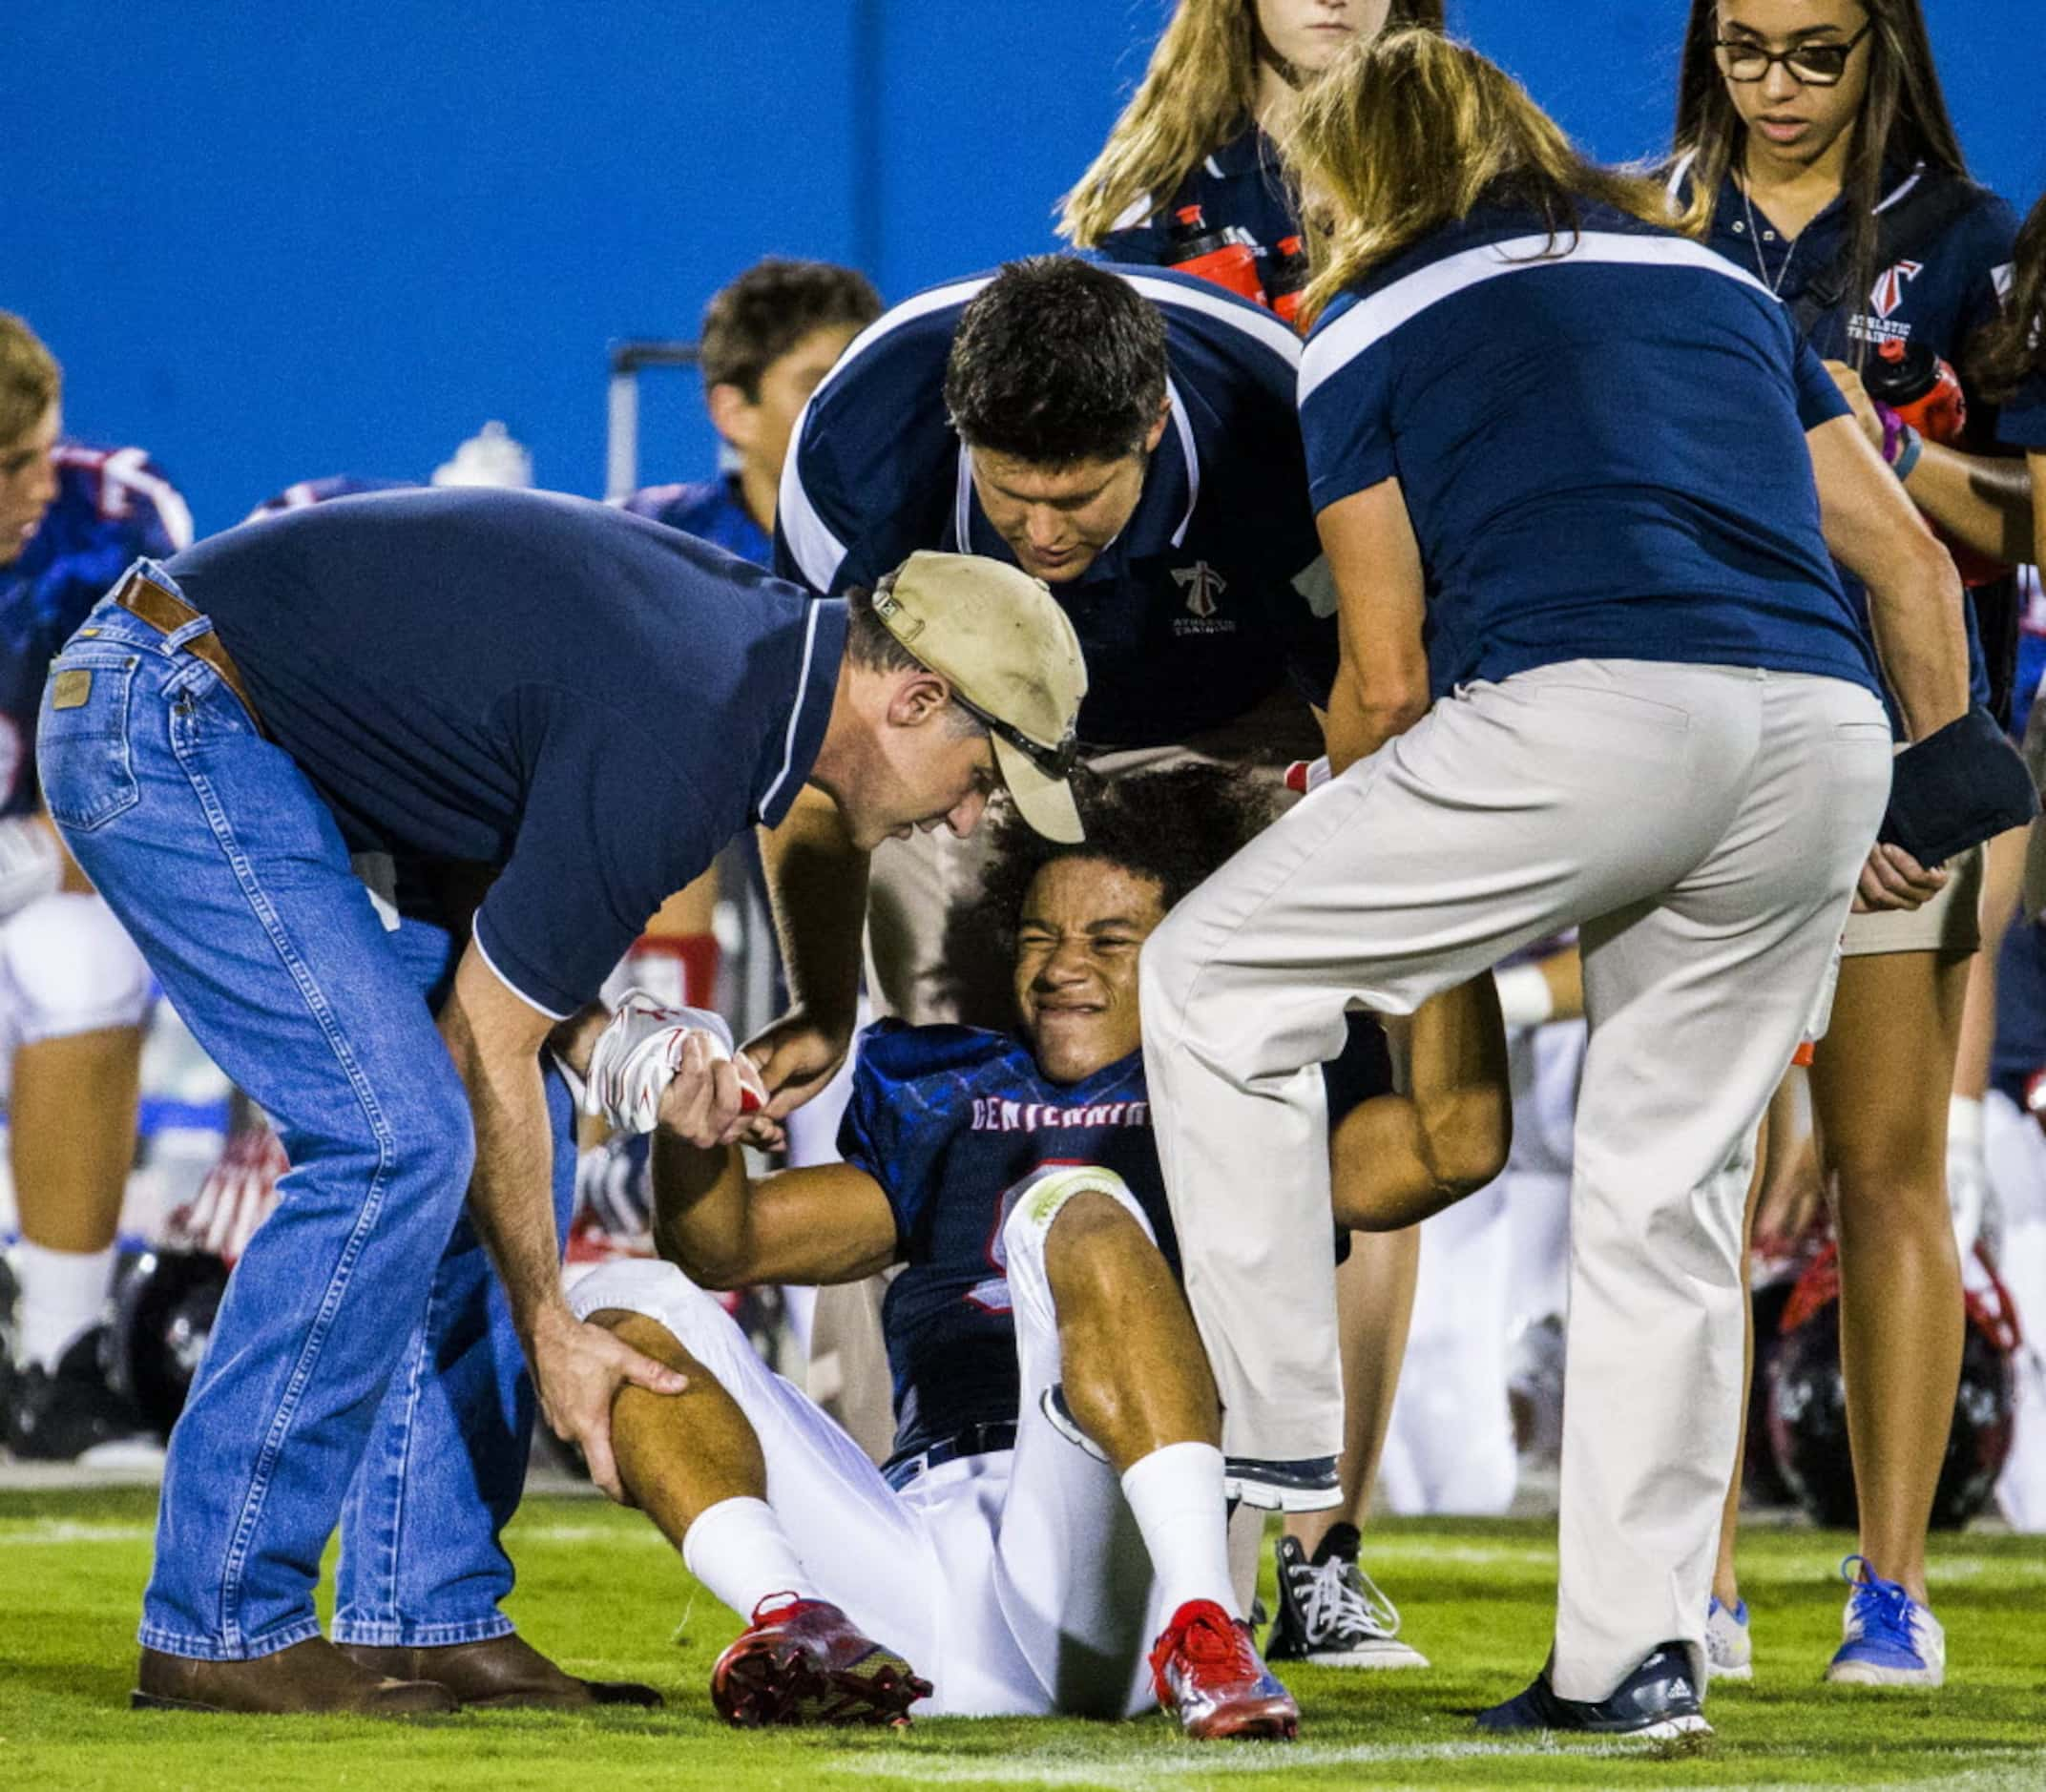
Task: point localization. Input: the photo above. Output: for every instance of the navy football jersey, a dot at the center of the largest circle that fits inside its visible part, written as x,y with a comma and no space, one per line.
948,1120
1240,188
1941,297
1195,614
1503,376
113,506
711,510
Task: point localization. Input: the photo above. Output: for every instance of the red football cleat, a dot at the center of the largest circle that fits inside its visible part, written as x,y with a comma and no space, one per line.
1206,1667
801,1662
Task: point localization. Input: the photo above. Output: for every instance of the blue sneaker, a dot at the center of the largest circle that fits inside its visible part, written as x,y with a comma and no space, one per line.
1892,1639
1729,1651
1659,1702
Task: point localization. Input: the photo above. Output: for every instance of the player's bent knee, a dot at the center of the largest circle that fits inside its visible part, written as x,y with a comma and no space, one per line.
647,1336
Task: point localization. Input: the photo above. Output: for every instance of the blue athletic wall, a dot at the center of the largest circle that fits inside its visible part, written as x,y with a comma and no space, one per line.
273,243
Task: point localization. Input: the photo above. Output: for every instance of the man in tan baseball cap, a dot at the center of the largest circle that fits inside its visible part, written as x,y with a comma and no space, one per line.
961,674
1015,665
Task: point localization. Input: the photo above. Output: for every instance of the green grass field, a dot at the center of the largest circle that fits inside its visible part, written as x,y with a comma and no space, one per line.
601,1593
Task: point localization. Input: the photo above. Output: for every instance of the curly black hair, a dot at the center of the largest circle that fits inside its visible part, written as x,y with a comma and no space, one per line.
1057,360
1174,827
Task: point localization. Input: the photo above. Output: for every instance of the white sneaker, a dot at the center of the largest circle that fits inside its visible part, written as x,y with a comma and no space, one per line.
1730,1649
1889,1639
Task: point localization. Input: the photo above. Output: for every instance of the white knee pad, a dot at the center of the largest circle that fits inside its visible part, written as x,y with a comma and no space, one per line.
1030,1207
67,966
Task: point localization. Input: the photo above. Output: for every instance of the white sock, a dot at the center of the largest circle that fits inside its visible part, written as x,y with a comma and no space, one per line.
63,1294
1176,1496
739,1550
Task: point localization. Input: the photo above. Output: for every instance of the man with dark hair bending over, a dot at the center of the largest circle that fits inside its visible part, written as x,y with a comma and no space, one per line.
1055,1406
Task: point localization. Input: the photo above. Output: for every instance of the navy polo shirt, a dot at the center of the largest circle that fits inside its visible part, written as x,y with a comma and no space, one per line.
582,699
112,506
1942,299
1192,615
711,510
1602,450
1240,187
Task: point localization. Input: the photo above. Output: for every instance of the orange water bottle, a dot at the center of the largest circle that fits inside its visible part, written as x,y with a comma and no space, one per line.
1214,255
1290,274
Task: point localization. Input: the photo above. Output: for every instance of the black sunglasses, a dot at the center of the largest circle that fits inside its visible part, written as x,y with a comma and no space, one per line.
1809,65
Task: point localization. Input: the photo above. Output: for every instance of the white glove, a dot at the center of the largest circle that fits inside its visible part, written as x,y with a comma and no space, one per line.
637,1056
32,863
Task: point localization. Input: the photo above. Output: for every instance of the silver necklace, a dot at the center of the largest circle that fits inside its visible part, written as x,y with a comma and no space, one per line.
1754,244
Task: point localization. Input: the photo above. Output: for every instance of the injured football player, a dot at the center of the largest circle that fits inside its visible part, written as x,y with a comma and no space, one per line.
1049,1536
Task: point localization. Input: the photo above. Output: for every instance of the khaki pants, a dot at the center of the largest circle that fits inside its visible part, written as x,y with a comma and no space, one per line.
1704,827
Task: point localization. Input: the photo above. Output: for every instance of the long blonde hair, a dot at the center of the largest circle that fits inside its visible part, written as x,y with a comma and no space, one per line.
1404,134
1200,90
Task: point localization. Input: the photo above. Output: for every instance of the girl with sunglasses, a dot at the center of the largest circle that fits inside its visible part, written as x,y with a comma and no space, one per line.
1814,150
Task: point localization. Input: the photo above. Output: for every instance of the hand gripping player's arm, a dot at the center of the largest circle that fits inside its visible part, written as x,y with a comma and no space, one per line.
826,1223
495,1039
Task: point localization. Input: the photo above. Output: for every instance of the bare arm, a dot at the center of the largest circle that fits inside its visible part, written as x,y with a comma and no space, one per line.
1381,600
1397,1158
1981,500
1914,593
495,1039
817,883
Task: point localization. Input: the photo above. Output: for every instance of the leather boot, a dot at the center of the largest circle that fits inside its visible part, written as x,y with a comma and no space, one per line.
310,1676
506,1671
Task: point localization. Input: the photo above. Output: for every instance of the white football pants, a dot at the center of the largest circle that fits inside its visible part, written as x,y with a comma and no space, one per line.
1704,825
1016,1581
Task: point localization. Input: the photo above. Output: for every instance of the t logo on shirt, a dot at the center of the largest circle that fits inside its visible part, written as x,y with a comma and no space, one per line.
1888,290
1203,587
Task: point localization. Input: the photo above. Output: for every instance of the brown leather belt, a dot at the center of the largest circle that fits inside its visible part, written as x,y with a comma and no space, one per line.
167,612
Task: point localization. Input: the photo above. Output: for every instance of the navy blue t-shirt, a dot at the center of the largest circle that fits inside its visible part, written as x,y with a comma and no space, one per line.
588,701
948,1120
112,507
1941,299
711,510
1191,616
324,490
1240,188
1566,428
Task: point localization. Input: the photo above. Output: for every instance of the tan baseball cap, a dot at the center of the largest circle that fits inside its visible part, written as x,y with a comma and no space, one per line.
1013,662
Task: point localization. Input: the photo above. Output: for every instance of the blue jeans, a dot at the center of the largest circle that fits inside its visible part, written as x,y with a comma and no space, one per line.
362,1368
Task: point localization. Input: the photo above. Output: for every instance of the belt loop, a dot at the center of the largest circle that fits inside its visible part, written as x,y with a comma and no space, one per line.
187,632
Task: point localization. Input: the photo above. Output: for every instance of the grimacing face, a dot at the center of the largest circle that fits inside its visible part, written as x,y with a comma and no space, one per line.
1309,34
28,484
1083,924
1791,121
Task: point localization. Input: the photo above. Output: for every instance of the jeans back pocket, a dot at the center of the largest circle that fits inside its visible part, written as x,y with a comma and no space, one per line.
81,741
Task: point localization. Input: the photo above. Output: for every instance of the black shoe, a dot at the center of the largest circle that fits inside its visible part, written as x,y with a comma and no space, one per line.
1331,1613
1656,1702
72,1414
